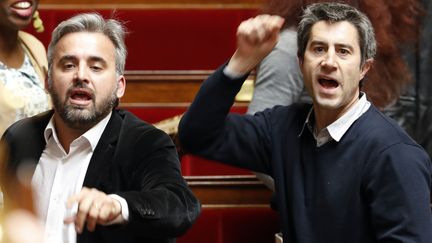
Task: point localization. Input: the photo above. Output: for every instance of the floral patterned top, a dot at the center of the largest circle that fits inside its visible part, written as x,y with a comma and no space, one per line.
24,92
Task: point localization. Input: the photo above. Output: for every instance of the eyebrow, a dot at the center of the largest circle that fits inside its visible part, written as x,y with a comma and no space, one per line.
66,58
316,42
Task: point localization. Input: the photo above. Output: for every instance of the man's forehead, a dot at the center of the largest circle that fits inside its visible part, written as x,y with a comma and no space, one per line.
342,33
85,44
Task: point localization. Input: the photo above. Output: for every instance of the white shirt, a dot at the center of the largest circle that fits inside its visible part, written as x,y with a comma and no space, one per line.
338,128
60,175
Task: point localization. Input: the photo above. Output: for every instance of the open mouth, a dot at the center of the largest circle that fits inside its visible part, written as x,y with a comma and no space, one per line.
328,83
81,95
23,9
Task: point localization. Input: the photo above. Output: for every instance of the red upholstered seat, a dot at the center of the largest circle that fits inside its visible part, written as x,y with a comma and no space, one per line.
191,164
233,225
153,114
167,39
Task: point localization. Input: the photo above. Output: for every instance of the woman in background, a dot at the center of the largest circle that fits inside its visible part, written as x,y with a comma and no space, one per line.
23,63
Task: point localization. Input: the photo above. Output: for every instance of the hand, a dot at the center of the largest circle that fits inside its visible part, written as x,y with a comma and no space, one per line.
94,207
256,37
21,226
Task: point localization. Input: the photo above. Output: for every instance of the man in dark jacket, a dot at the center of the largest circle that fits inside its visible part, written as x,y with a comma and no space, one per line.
100,174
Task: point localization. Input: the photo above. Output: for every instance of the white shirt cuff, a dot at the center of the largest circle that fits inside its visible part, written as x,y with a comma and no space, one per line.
124,210
232,74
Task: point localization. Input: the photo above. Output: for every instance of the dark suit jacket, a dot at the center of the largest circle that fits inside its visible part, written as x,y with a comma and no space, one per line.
133,160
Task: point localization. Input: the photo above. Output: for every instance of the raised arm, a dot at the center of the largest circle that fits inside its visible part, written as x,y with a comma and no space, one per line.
207,129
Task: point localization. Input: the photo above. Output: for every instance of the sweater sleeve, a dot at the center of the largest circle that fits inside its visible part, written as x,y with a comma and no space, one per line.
207,129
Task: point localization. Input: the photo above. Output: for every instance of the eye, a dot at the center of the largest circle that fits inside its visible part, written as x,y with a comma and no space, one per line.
96,68
344,52
319,49
68,66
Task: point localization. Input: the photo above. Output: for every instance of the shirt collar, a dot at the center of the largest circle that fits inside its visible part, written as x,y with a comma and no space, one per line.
338,128
92,135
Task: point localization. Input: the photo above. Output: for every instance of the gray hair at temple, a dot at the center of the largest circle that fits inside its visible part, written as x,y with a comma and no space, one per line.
95,23
337,12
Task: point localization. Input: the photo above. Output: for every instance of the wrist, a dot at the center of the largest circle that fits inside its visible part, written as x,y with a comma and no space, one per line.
239,65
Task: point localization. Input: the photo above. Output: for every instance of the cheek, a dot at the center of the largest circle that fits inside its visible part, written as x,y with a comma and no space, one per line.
103,88
59,84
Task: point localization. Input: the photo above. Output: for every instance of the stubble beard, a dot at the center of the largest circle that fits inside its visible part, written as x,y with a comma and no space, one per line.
78,117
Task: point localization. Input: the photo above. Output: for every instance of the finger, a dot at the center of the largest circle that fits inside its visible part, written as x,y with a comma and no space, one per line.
70,213
105,213
258,31
69,220
77,197
93,216
275,22
270,27
244,27
244,30
260,28
84,207
109,211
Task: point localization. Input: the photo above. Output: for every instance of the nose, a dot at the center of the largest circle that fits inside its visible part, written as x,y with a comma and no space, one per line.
329,61
81,74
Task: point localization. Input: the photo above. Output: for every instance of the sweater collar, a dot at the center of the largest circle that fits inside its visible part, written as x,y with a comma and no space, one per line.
338,128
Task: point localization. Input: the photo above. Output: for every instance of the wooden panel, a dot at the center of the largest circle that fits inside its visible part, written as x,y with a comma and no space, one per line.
161,86
223,191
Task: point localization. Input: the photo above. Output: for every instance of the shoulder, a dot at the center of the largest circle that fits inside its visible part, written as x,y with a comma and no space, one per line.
288,35
135,129
384,129
33,43
384,138
288,41
297,111
384,149
25,138
24,127
286,116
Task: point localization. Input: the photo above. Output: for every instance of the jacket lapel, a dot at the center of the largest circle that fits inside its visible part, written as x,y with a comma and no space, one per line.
104,154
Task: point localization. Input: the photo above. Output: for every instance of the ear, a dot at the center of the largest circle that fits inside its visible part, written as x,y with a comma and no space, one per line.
366,67
121,87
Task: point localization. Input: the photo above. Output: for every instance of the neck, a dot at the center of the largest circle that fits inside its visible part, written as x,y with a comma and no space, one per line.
67,134
325,117
11,52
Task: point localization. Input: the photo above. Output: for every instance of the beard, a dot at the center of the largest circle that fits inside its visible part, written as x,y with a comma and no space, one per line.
78,117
